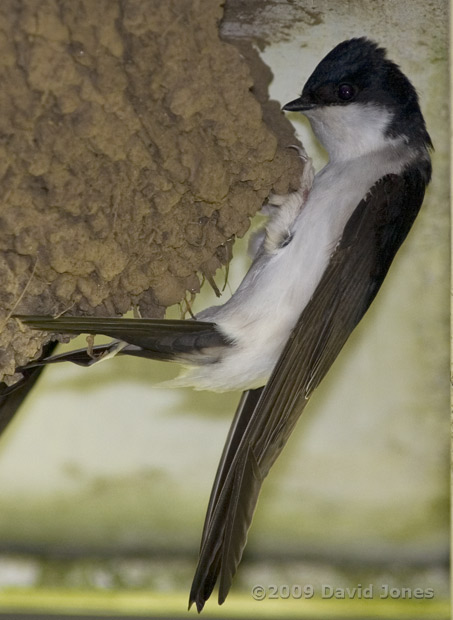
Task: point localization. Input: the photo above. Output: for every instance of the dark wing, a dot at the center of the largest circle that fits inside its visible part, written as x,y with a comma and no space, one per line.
82,357
245,409
353,276
197,341
151,338
12,396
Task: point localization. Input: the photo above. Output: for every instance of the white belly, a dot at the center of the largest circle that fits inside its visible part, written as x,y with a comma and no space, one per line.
261,314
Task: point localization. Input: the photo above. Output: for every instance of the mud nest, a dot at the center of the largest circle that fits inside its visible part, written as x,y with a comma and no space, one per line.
132,152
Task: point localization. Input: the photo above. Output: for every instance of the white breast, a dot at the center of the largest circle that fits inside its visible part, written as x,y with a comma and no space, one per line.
262,312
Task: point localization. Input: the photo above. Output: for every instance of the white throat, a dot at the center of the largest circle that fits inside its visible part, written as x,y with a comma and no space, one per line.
350,131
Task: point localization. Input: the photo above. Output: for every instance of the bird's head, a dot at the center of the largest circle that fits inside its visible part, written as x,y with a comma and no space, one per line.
357,101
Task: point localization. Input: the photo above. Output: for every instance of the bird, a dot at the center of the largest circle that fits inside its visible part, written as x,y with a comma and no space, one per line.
318,265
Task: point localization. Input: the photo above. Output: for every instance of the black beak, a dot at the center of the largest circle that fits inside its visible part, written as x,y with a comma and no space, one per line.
299,105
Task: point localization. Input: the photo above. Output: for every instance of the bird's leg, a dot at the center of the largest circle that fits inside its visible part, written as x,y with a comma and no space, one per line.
306,182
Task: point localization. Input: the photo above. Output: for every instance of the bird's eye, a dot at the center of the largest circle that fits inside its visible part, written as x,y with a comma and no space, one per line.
345,92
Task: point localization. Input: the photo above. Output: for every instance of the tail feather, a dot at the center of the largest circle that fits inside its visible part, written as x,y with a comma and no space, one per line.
244,411
246,488
227,533
230,510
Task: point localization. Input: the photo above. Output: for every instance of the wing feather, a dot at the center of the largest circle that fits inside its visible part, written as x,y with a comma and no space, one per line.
161,339
12,396
353,276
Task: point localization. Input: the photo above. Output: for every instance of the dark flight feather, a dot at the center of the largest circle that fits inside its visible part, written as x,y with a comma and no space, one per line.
354,274
151,338
12,396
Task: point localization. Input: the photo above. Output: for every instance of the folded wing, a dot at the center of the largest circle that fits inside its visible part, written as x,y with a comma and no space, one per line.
354,274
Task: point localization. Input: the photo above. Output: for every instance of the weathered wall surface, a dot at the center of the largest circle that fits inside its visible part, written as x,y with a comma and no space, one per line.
132,152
